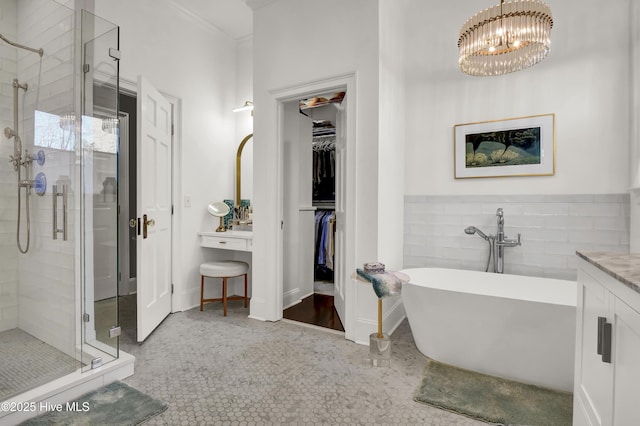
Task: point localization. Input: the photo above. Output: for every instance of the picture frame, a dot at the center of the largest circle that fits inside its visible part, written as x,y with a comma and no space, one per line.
522,146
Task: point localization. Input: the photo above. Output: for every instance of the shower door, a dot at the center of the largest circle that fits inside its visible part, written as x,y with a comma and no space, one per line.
99,201
38,287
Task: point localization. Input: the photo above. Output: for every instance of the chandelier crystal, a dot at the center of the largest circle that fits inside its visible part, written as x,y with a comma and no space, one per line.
505,38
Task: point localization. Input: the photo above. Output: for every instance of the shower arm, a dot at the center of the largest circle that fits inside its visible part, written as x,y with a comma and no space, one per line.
22,46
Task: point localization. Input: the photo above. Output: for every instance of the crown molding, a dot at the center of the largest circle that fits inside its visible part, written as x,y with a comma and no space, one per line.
257,4
196,18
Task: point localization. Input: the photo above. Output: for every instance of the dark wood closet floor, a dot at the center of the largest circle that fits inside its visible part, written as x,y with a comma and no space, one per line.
316,309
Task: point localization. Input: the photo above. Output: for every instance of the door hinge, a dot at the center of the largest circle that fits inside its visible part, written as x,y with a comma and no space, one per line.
172,209
96,362
85,68
115,331
172,129
171,288
86,317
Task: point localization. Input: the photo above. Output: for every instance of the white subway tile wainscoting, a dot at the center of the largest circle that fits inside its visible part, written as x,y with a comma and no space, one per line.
553,227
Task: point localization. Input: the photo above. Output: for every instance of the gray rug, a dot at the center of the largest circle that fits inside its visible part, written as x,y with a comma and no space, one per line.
493,399
114,404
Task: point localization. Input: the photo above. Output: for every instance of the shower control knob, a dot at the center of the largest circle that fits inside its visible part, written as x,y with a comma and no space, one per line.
40,157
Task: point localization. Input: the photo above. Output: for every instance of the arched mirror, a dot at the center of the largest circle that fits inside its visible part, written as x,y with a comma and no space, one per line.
244,171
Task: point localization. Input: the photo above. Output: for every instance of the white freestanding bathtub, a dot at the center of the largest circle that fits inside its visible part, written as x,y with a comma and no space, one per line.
512,326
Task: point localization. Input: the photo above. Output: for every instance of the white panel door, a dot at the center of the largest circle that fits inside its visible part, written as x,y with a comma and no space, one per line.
297,214
153,207
340,275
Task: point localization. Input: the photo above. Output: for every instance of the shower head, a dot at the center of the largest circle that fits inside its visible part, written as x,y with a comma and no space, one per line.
9,132
473,230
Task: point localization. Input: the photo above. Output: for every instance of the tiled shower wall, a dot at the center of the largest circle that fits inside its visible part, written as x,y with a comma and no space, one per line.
552,228
42,290
46,275
8,195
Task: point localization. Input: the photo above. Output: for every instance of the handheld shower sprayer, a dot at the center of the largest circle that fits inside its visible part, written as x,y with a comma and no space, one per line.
17,143
473,230
470,230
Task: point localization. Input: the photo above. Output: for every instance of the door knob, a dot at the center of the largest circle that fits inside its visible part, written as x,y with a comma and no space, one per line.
133,223
146,223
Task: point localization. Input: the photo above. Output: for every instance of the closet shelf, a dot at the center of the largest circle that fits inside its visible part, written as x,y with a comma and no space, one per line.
321,101
327,205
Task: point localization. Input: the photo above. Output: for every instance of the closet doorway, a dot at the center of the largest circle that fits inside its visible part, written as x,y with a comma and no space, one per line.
314,139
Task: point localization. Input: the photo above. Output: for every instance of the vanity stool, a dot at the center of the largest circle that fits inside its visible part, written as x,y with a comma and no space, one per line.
223,269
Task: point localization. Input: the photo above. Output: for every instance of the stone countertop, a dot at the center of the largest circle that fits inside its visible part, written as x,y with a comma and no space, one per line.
625,267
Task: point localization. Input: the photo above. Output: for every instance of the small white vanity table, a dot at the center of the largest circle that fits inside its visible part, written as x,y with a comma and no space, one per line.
229,240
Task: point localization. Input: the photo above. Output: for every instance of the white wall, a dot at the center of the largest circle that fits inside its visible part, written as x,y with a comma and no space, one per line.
391,150
584,81
297,42
584,205
359,37
634,162
244,119
195,62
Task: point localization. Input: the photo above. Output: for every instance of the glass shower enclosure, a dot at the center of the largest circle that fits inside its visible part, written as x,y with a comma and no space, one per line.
58,193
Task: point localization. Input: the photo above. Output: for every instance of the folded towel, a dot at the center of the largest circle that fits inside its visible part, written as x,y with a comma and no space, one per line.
384,284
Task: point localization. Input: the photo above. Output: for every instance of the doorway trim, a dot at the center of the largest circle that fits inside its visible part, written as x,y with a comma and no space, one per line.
347,184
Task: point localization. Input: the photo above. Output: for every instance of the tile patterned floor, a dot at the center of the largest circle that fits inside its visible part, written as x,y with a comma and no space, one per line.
26,362
233,370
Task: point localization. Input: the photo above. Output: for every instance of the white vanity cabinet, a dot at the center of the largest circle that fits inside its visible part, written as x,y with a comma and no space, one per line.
607,365
230,240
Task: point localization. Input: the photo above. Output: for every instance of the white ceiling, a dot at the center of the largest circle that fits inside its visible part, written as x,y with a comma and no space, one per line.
232,17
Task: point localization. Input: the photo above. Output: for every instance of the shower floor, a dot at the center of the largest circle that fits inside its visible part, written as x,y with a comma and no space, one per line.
27,362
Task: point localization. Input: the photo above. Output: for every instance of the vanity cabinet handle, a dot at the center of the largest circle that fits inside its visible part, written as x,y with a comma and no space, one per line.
222,242
601,322
604,339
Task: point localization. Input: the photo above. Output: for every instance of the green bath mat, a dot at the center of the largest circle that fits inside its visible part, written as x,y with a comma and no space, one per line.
493,399
114,404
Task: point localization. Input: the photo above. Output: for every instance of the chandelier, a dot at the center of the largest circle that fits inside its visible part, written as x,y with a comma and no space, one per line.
110,125
505,38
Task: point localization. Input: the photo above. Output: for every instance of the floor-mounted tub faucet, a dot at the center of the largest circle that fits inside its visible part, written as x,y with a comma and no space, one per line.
500,243
497,243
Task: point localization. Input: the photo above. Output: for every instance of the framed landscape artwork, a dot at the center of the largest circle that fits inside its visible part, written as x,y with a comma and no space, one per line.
523,146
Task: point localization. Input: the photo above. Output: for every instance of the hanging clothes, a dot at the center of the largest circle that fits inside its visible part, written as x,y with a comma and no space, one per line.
324,241
324,168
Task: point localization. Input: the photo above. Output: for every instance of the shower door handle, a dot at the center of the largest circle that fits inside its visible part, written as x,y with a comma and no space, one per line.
65,219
